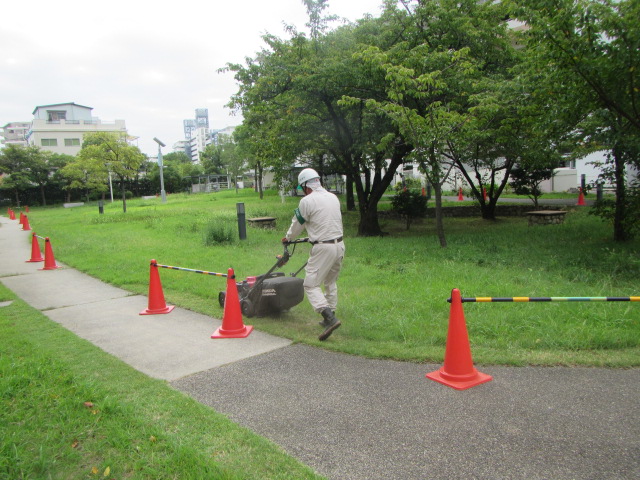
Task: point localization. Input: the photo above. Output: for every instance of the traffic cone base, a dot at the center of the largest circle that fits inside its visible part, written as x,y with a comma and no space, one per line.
157,311
232,325
458,371
157,304
459,382
241,333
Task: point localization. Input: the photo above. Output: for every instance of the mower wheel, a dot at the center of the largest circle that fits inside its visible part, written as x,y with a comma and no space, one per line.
221,298
246,306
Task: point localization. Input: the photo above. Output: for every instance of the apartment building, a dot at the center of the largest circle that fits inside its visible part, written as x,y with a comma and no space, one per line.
15,133
60,127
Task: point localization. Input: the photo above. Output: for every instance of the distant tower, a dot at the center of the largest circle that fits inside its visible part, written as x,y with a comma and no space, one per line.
189,128
202,117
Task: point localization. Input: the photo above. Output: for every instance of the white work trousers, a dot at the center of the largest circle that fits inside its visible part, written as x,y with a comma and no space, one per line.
322,270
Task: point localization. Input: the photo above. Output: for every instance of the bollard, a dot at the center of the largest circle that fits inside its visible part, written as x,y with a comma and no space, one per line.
100,207
242,227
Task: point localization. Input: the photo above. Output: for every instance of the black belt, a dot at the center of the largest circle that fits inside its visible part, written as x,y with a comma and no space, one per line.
335,240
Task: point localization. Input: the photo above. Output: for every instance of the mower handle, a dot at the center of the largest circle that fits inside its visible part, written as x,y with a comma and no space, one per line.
297,240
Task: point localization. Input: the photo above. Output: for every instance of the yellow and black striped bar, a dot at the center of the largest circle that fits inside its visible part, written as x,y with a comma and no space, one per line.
204,272
546,299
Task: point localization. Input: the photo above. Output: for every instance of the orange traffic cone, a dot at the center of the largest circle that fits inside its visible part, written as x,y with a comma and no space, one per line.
25,223
49,259
458,371
581,198
232,326
26,208
460,196
157,304
21,221
36,254
12,215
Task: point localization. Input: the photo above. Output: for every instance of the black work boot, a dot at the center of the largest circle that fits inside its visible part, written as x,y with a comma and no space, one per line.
330,324
326,321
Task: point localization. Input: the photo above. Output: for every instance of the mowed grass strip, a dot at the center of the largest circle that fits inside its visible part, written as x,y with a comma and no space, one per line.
68,410
393,289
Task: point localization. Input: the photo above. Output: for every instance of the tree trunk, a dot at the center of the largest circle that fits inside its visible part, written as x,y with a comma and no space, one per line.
368,199
439,223
124,196
351,202
44,200
620,232
369,225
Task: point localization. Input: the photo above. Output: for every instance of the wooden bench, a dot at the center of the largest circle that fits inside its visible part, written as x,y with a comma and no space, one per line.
262,222
546,217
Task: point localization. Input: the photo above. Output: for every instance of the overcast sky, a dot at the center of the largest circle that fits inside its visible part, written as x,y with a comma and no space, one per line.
146,62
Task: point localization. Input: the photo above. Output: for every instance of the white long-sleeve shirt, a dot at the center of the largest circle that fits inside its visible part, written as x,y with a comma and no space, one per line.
318,213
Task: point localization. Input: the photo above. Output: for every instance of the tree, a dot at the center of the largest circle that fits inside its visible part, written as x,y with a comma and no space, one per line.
291,94
85,172
589,51
448,52
410,205
114,154
527,181
211,160
16,162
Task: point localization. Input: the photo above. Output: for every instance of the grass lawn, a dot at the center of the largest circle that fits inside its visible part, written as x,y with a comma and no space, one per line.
68,410
393,289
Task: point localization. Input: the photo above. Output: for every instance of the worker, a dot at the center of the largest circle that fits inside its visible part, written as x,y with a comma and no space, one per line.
319,213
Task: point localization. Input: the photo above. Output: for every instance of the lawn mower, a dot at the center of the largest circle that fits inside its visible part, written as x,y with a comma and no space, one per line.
272,292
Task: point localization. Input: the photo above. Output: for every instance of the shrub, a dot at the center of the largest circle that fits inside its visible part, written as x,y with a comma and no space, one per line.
410,204
217,231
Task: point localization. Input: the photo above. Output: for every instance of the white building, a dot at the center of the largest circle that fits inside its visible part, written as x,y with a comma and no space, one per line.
15,133
60,128
200,138
570,177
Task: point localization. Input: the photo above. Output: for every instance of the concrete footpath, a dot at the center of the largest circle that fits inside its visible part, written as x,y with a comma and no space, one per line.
348,417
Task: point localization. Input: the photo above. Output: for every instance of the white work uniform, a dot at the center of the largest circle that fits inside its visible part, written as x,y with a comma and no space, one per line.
319,213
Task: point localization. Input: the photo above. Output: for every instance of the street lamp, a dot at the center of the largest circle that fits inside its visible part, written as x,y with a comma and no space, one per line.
162,192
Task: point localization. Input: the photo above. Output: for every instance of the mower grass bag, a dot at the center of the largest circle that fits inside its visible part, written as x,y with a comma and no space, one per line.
274,295
272,292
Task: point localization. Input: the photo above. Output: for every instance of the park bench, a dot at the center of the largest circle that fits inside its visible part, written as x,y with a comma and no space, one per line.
546,217
262,222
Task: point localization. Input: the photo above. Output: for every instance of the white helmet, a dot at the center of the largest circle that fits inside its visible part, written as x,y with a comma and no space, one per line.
306,175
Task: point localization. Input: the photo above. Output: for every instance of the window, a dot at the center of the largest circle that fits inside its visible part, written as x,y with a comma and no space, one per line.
71,142
56,115
49,142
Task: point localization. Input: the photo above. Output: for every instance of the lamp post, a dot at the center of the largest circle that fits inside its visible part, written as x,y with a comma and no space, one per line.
162,192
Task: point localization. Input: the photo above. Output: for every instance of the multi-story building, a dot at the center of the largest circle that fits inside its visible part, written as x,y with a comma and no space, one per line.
15,133
60,128
200,139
